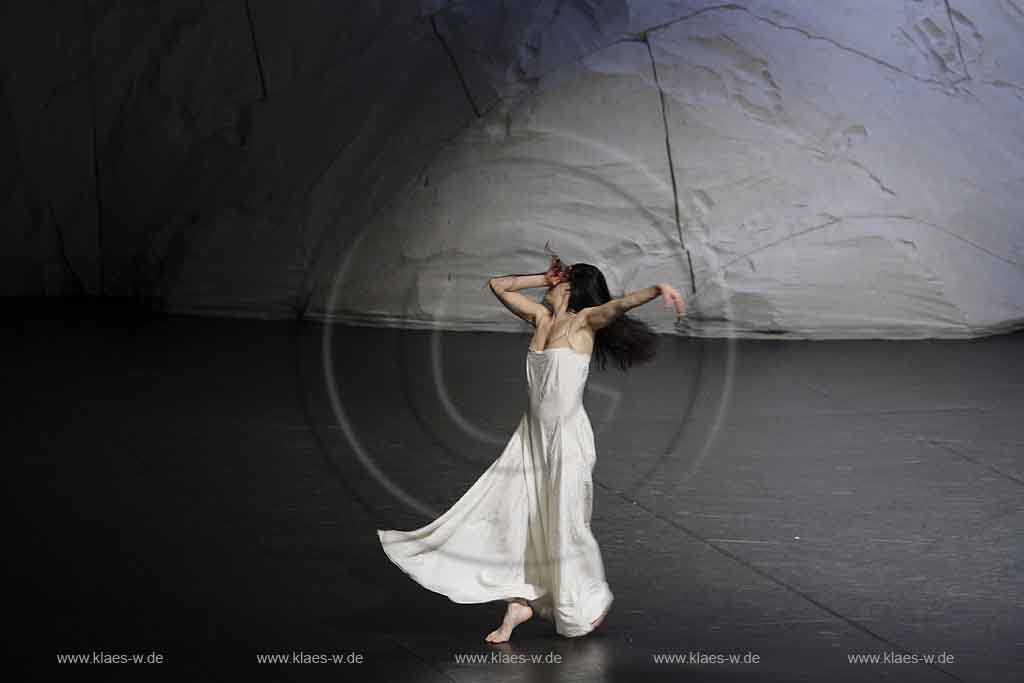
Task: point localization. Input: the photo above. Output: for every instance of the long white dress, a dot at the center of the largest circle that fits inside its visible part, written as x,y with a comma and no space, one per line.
523,529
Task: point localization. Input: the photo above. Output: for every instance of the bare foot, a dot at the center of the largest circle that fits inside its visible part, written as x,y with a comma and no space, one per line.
516,614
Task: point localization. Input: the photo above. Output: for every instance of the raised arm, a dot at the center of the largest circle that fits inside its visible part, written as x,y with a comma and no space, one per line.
605,314
506,289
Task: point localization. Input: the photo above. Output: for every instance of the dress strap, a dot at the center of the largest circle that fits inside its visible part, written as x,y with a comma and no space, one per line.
565,334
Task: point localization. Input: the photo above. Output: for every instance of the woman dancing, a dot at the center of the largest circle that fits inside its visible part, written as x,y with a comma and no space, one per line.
521,534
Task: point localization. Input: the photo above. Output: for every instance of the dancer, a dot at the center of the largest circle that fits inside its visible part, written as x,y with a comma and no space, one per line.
521,533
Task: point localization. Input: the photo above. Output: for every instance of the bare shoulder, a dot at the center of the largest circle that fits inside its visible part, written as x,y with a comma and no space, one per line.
581,331
583,323
595,317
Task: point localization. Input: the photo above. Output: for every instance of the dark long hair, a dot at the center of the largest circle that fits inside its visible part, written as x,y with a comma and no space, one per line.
627,340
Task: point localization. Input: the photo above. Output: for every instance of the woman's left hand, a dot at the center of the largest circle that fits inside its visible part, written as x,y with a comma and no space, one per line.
555,273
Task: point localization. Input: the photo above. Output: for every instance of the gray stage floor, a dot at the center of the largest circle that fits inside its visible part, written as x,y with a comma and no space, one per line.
187,486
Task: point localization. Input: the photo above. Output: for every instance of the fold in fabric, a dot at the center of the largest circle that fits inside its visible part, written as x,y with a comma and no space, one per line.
522,530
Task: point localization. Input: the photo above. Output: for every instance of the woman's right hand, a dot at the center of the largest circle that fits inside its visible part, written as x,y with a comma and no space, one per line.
556,272
672,298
